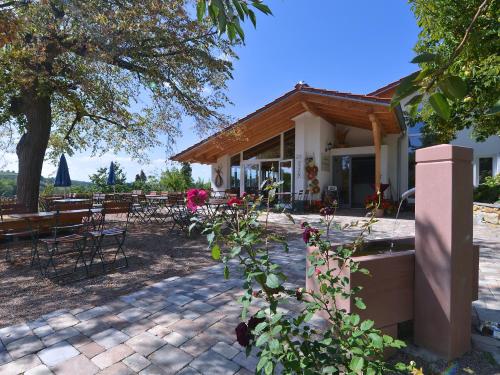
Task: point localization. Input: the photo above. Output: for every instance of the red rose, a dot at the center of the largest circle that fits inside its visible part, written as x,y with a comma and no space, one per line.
234,202
242,334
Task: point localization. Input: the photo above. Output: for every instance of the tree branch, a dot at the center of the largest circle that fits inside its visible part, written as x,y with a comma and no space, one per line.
460,46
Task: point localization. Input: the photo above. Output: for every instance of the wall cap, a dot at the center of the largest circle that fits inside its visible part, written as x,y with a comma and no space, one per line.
444,152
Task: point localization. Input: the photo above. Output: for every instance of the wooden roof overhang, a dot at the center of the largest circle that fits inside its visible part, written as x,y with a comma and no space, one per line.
276,117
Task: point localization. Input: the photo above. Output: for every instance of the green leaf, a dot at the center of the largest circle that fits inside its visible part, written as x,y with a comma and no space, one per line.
226,272
269,368
406,87
495,109
454,87
357,364
366,325
262,339
440,105
262,7
359,303
424,57
377,340
216,252
272,281
200,9
260,327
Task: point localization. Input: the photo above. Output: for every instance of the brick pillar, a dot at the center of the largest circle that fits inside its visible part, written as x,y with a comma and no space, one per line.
443,249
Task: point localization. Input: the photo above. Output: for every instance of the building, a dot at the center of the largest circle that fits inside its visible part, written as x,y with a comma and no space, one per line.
311,139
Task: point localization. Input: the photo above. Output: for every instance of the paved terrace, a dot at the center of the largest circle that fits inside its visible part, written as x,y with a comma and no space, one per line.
186,325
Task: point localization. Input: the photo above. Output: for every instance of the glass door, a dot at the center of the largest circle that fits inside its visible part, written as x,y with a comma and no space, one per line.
251,178
269,170
286,175
342,179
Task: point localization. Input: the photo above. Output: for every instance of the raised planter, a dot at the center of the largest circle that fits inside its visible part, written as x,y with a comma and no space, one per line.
388,291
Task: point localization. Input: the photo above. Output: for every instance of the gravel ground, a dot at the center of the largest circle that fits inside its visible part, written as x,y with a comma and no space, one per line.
154,251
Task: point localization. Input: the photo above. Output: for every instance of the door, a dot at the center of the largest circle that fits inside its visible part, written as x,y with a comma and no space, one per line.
342,179
286,175
251,178
362,179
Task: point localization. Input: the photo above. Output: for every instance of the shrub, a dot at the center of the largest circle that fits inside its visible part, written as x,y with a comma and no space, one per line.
489,190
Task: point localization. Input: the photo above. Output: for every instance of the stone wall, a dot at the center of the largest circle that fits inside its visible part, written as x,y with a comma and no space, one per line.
487,213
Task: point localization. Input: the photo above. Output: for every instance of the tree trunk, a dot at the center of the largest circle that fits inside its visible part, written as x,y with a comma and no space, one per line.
31,148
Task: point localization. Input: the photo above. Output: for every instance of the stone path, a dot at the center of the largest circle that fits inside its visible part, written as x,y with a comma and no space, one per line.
184,325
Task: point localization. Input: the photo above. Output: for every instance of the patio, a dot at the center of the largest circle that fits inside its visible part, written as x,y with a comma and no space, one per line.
185,324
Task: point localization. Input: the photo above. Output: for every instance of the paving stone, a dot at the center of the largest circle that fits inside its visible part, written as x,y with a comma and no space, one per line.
4,357
39,370
250,363
244,371
117,369
153,306
117,306
199,307
145,343
93,313
112,356
61,335
133,314
222,332
191,315
199,344
57,353
20,365
62,321
179,299
79,340
81,309
188,328
92,326
43,331
153,370
175,339
137,328
37,323
159,331
225,350
188,371
165,317
24,346
91,350
170,359
13,333
109,338
79,365
54,314
136,362
212,363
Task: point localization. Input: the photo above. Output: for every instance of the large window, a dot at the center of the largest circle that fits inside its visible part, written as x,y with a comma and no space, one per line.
270,149
485,168
235,172
289,144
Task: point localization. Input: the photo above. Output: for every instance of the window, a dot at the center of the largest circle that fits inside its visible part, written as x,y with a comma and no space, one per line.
485,168
270,149
289,144
235,172
416,140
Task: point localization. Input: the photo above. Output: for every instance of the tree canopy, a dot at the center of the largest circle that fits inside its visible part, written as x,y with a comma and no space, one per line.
458,84
112,75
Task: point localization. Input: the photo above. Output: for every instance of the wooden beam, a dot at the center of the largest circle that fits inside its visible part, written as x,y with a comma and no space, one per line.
377,142
310,108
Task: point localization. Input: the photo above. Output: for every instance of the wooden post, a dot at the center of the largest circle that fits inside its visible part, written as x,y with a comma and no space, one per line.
377,142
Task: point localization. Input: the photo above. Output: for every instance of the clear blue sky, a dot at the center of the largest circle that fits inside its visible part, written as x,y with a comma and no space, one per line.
354,46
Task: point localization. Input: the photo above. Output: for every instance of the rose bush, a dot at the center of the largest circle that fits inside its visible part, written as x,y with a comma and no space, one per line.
284,328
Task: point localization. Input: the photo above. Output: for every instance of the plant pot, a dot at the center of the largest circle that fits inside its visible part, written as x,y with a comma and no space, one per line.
379,212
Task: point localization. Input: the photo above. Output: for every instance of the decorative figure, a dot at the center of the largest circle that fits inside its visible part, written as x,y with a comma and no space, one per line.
218,177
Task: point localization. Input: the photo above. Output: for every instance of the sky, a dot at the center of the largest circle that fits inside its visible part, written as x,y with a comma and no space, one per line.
353,46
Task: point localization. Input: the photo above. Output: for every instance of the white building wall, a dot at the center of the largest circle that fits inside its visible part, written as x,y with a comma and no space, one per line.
224,164
487,149
312,135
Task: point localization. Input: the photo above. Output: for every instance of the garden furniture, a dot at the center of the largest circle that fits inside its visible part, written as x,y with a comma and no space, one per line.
111,235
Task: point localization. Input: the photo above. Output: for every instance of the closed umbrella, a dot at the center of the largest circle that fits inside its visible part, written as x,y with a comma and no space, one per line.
62,177
112,176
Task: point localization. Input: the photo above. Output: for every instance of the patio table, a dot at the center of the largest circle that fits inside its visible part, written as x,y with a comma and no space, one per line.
71,200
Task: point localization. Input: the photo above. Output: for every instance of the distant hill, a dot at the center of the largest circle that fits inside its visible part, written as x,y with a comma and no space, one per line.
8,181
10,175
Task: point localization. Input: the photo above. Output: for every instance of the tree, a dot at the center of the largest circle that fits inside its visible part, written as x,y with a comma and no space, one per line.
187,172
173,180
70,72
458,84
141,177
100,178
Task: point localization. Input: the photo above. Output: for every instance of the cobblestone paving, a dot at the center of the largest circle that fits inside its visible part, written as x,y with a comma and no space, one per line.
184,325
